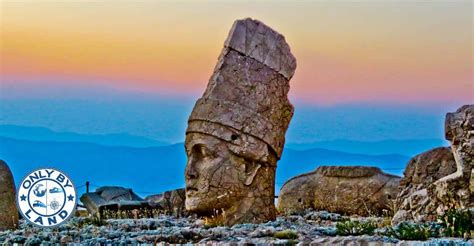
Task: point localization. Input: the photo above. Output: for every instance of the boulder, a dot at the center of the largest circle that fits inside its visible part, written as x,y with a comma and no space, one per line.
421,172
440,179
340,189
454,190
112,198
8,210
170,202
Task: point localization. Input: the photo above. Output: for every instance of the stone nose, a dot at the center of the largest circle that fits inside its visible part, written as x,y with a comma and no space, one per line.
191,172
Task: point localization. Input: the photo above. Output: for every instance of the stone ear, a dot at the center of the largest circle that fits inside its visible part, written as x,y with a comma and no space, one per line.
250,175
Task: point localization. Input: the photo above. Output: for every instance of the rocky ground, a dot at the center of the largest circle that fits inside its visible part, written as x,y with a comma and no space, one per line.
317,228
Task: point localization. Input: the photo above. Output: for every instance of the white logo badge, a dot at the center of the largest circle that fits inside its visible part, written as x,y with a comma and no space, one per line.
46,197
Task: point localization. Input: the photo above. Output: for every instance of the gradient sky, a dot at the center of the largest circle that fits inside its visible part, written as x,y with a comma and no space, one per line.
396,52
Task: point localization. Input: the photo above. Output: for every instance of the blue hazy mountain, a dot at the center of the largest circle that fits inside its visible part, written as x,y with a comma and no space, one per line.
155,169
164,118
408,147
45,134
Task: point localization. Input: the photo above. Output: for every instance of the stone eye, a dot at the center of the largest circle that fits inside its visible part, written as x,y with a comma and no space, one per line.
202,151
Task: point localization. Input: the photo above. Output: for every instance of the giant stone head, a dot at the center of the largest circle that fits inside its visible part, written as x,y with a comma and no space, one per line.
236,131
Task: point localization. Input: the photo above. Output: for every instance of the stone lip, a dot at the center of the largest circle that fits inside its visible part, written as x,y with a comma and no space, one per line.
260,42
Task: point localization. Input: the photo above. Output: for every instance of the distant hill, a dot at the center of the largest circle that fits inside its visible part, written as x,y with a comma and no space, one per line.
156,169
408,147
45,134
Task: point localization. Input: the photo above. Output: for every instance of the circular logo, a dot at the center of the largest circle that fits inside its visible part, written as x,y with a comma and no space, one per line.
46,197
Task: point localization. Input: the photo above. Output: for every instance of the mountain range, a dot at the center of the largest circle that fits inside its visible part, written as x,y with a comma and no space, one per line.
151,170
409,147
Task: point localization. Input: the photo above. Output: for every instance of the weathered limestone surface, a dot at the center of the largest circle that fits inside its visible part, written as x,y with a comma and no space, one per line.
342,189
258,41
170,202
111,198
8,209
423,170
450,185
236,131
453,191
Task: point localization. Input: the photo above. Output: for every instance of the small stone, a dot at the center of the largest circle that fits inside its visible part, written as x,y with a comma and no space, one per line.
66,239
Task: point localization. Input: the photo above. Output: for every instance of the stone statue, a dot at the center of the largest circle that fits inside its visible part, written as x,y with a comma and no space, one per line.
236,131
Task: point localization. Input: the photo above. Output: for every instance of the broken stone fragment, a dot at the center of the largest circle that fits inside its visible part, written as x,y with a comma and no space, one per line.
236,131
8,210
254,39
169,202
112,198
413,201
448,180
453,191
342,189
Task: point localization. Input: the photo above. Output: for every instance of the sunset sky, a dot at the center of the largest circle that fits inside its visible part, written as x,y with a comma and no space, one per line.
416,52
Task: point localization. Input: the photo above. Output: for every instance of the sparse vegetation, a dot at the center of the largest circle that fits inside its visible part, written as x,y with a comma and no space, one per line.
130,214
217,219
92,220
456,223
355,228
286,234
412,231
391,208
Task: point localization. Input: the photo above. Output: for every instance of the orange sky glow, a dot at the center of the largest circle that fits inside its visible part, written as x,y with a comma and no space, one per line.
415,52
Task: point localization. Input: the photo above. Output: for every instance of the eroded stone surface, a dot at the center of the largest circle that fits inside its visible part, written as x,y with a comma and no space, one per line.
8,209
164,230
343,189
256,40
111,198
450,186
413,202
453,191
170,202
236,131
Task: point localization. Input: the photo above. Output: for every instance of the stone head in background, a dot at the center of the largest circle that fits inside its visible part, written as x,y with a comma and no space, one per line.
8,209
352,190
236,131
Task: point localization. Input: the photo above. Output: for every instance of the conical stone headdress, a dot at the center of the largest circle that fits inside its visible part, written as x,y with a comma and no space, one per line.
245,102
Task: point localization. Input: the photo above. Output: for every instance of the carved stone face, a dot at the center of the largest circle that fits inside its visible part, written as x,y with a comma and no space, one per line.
216,178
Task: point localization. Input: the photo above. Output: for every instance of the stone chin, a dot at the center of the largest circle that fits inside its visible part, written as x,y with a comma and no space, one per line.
198,204
192,203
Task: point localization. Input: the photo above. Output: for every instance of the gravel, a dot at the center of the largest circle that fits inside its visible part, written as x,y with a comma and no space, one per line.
314,227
